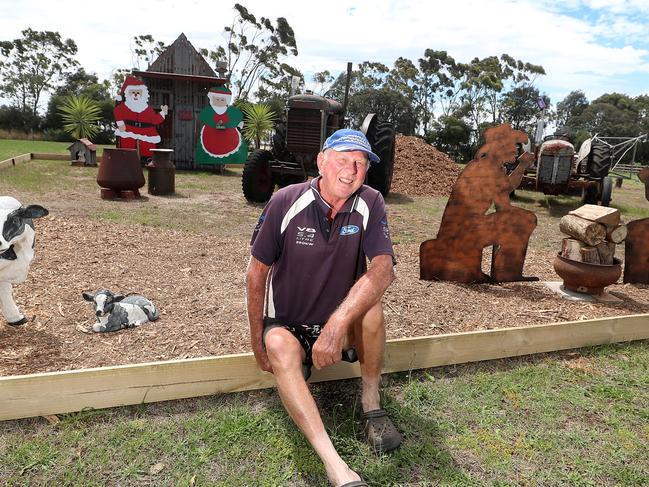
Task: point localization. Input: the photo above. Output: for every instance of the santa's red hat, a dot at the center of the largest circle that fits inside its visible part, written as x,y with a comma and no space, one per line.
130,82
222,89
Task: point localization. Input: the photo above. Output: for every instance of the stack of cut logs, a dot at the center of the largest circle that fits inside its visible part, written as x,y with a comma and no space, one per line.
594,232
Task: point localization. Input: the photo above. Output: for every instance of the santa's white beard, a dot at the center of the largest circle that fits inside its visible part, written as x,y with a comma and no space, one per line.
219,110
137,106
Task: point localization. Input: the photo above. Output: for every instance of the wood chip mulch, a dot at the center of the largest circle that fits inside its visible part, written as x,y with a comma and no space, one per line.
422,170
197,281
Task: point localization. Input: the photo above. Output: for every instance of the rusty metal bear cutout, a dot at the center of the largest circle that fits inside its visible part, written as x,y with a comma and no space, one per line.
636,248
470,223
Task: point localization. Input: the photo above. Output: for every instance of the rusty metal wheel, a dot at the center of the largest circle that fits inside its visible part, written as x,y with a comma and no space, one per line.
257,180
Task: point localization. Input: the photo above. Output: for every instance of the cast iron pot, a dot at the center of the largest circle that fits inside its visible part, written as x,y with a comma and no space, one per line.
120,170
584,277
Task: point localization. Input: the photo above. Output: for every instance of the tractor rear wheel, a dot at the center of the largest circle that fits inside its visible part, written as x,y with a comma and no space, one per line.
257,179
599,160
382,139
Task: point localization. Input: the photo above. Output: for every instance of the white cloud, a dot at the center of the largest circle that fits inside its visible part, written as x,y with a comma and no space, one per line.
582,44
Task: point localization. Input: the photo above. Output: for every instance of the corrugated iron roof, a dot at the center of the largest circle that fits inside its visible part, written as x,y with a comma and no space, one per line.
180,76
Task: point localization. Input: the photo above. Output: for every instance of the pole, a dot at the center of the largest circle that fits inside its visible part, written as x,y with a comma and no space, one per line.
347,83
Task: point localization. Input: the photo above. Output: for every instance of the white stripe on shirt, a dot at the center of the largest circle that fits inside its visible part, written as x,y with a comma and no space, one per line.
300,204
361,207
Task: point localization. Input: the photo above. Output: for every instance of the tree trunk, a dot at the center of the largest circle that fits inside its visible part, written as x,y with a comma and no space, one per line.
571,249
616,234
588,232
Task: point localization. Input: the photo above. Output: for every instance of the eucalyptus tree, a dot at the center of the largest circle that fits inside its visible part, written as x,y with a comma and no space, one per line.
570,107
252,48
31,65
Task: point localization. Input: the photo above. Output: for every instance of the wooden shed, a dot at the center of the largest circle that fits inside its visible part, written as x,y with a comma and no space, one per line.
180,78
83,153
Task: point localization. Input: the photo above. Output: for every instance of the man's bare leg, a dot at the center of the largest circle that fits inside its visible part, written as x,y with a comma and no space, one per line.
369,340
286,356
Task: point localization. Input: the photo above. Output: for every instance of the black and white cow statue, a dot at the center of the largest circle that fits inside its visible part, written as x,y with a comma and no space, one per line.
16,251
116,311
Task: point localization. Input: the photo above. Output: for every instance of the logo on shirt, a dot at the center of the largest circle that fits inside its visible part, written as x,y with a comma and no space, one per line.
349,230
305,236
259,222
386,230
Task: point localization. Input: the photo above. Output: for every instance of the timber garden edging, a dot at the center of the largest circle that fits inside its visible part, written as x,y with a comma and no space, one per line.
75,390
47,156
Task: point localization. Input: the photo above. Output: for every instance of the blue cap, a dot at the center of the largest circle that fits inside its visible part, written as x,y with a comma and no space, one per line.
345,140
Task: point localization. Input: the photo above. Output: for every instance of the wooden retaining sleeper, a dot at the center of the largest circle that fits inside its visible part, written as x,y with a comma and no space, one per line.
46,156
68,391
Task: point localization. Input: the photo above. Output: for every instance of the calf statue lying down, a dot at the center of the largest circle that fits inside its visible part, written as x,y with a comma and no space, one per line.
16,251
116,311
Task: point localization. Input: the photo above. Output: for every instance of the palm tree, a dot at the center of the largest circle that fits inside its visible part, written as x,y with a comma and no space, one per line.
80,116
258,123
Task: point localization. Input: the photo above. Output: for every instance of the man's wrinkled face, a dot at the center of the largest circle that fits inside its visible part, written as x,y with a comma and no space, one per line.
342,173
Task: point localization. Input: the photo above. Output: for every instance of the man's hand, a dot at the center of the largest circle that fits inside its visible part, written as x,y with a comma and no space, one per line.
262,359
367,291
328,348
164,109
120,125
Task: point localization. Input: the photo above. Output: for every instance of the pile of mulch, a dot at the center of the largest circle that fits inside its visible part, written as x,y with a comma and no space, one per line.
422,170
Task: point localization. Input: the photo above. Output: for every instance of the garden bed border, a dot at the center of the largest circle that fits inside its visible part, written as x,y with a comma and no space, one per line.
75,390
46,156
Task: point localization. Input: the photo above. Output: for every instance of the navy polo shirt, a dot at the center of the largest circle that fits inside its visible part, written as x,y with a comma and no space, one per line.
315,264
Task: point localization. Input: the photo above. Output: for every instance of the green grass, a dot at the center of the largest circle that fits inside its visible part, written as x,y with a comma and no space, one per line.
47,176
570,419
10,148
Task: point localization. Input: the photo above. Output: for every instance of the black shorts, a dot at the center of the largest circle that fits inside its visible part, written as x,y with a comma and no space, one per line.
306,335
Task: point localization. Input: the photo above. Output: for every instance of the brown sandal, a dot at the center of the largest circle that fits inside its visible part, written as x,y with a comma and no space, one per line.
381,433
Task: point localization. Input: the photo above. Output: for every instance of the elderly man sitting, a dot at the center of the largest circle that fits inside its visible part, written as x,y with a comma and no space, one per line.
322,303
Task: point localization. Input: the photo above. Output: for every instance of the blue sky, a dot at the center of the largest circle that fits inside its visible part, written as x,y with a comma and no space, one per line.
597,46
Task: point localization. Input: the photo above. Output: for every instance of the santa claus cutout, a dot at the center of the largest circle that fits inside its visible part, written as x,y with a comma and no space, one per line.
220,141
136,120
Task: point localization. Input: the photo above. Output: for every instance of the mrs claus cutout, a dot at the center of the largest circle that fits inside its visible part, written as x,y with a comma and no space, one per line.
220,141
136,120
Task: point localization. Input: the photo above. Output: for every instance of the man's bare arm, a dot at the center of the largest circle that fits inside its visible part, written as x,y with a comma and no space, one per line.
362,296
256,276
